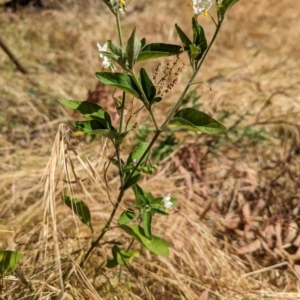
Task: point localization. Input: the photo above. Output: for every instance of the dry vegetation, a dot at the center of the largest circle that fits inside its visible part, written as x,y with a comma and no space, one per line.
238,192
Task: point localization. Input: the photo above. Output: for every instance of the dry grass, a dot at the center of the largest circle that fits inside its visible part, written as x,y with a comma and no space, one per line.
255,83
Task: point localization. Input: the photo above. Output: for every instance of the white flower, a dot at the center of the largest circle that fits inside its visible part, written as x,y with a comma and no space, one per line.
168,204
200,6
105,61
167,201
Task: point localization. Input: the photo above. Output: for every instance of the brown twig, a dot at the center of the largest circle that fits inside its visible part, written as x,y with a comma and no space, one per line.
12,57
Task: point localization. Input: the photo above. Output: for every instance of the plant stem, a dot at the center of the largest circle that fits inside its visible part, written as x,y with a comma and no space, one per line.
146,101
104,230
157,134
117,145
119,28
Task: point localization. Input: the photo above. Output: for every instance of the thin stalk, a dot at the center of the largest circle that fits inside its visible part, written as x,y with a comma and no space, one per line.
117,145
119,28
104,230
147,103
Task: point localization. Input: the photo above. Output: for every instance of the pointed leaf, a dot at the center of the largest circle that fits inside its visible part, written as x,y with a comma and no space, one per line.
156,100
147,85
159,211
116,49
133,49
9,261
137,153
225,6
192,119
119,55
89,110
95,127
156,245
110,55
199,37
84,107
195,51
80,209
120,81
120,257
111,5
143,43
133,180
147,219
144,200
138,193
157,50
183,37
127,216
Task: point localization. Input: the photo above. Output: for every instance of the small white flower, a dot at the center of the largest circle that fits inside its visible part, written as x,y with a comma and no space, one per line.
168,204
200,6
167,201
167,198
105,61
135,161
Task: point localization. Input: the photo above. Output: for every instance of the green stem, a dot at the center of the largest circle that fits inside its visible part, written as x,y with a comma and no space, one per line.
104,230
119,28
117,145
146,102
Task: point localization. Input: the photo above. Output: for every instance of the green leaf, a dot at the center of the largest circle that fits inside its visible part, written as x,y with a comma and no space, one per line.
137,153
157,50
84,107
80,209
192,119
156,245
199,38
183,37
120,81
89,110
111,5
138,193
116,49
95,127
143,43
156,100
225,6
119,54
110,55
120,257
159,211
147,85
127,216
195,51
147,219
9,261
133,49
133,180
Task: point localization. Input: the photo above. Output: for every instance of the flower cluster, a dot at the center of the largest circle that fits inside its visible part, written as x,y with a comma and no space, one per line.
167,201
200,6
105,60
